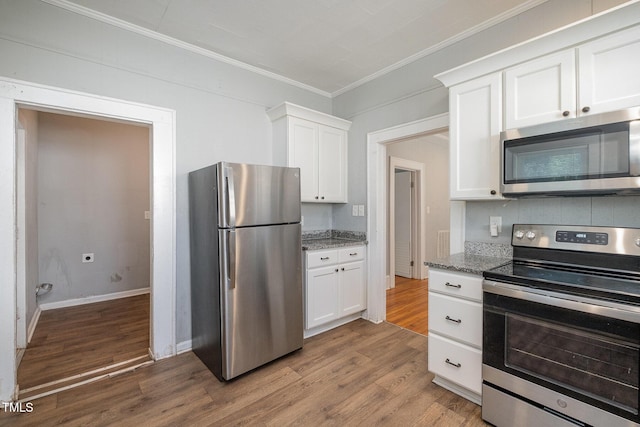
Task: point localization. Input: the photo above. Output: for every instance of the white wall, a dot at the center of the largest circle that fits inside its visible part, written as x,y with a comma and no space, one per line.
220,108
93,191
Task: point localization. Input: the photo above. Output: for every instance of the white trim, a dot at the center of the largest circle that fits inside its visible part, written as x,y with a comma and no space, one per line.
98,16
90,13
93,299
289,109
14,93
33,323
421,224
184,346
608,21
377,200
308,333
443,44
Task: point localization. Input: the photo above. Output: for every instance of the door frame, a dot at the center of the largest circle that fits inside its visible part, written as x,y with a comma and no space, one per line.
376,199
418,217
161,121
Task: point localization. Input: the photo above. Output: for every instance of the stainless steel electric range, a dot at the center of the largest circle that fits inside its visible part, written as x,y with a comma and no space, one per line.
561,340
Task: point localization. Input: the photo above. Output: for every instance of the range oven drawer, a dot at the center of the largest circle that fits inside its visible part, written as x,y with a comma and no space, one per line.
456,318
456,362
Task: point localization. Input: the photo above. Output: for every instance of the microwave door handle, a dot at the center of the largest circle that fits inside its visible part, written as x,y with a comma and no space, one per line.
231,198
634,148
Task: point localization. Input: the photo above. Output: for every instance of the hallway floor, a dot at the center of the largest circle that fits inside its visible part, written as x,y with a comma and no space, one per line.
76,343
407,304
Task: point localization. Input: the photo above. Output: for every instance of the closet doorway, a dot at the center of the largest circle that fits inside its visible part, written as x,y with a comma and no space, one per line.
84,203
16,94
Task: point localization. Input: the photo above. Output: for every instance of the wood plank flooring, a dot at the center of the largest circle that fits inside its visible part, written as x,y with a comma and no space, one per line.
74,340
357,374
408,304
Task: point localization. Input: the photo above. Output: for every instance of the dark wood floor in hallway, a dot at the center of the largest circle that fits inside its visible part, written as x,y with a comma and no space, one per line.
91,338
408,304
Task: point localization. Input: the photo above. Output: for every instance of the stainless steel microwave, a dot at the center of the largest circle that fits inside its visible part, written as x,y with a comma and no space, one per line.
590,155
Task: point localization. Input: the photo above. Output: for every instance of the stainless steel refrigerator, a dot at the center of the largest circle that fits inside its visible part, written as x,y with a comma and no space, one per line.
246,265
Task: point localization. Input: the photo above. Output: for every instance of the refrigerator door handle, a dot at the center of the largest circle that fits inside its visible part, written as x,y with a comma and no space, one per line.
231,259
231,197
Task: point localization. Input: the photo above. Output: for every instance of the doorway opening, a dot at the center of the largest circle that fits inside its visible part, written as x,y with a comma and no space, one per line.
418,211
16,94
378,144
84,204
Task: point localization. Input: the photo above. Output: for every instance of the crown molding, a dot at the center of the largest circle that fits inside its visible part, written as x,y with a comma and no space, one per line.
98,16
445,43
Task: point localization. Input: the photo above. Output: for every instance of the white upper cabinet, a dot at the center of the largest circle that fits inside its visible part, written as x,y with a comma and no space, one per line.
475,124
317,144
554,88
608,73
540,91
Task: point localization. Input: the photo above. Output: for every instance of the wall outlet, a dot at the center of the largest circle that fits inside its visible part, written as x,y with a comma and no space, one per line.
360,210
354,210
147,214
88,257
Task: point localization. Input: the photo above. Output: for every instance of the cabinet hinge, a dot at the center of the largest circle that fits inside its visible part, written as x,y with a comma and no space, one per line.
412,184
411,263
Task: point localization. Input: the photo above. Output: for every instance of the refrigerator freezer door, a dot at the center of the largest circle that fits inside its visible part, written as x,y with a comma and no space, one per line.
261,292
250,195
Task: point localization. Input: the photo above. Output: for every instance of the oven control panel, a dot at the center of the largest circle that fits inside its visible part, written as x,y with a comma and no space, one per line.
585,237
614,240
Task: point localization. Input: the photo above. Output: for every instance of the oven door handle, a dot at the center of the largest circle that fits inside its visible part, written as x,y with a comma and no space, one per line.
630,313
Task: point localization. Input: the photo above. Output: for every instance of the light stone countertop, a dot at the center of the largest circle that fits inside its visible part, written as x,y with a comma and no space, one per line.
328,239
467,263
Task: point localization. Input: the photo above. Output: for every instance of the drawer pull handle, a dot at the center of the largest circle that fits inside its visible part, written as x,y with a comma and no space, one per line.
454,320
457,365
452,286
353,254
324,258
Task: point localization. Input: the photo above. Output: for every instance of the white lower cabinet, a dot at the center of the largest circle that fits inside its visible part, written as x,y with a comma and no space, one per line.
455,332
334,287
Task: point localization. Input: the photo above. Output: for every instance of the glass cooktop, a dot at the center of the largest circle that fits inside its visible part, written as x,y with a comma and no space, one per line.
610,285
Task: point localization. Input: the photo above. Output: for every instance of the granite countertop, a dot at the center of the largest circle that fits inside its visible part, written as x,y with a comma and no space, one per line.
476,258
467,263
327,239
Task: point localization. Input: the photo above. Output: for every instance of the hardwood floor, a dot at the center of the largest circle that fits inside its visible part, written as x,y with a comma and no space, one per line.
408,304
357,374
69,342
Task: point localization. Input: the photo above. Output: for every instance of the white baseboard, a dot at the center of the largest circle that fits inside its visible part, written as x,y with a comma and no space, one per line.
93,299
33,323
184,346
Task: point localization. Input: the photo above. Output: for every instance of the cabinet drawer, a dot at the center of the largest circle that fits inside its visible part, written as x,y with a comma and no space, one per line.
456,318
456,284
320,258
351,253
456,362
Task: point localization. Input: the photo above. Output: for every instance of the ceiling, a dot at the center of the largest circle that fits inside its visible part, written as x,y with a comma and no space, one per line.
327,45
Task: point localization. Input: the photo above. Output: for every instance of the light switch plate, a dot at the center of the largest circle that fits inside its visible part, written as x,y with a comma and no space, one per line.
360,210
497,221
354,210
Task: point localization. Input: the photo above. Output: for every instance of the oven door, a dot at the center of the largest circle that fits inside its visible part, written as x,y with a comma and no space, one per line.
583,354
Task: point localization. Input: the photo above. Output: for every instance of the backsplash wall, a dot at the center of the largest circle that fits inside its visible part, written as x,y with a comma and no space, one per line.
618,211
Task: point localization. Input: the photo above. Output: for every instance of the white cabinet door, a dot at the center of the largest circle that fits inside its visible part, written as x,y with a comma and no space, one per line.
539,91
475,108
322,296
608,72
321,154
332,165
352,291
303,153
